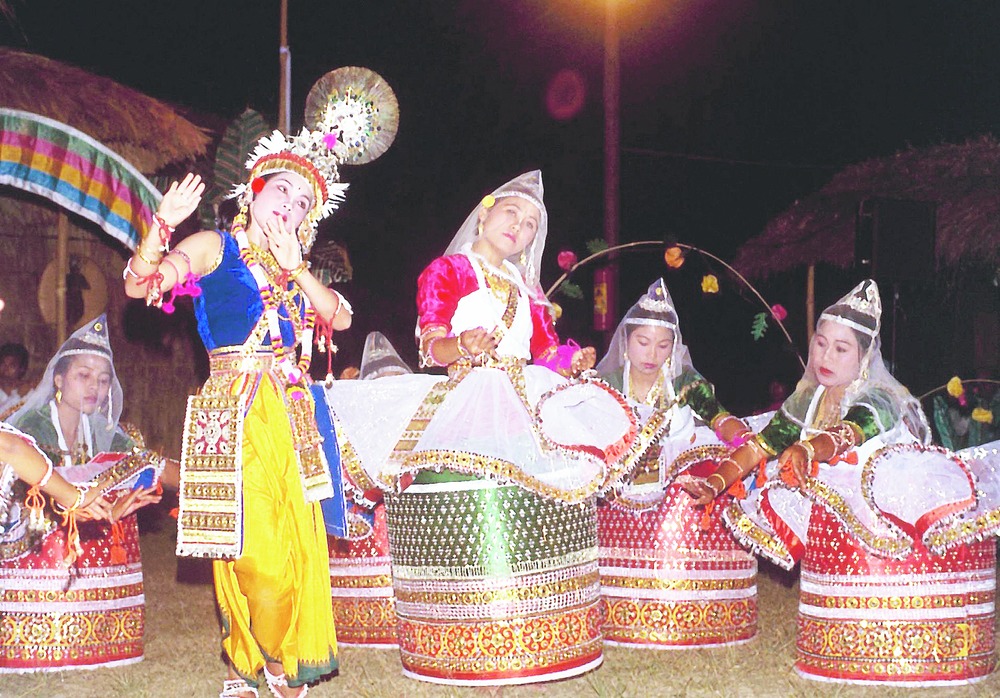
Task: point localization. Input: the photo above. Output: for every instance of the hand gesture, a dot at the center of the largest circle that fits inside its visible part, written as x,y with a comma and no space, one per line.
136,499
98,509
583,360
478,342
181,200
283,243
794,465
702,493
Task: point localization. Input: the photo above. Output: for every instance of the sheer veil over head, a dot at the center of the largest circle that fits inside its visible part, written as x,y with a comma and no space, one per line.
527,186
655,308
380,358
91,339
861,311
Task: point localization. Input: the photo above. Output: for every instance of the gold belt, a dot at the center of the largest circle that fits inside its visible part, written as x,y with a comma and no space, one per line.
504,363
228,359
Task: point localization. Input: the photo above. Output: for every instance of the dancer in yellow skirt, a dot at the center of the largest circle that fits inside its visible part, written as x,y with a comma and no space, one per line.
253,470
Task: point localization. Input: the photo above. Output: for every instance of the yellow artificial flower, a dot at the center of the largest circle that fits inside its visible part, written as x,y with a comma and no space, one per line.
955,388
709,284
982,415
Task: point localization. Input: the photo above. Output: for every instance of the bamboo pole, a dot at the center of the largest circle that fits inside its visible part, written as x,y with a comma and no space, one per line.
285,79
62,269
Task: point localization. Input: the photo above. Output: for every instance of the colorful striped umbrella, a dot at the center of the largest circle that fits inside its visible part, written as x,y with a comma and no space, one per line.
56,161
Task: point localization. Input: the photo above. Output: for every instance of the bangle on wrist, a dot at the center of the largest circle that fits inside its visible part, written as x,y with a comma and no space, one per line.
808,449
45,478
81,494
297,271
462,349
143,258
722,487
717,420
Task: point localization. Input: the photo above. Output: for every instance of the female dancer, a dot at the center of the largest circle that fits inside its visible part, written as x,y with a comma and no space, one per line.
671,575
896,585
253,470
493,545
93,609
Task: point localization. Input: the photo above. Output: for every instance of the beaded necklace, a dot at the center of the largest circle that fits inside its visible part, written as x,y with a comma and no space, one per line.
500,285
273,297
654,394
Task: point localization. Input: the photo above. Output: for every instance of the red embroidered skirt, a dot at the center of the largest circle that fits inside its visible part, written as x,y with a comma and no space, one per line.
922,621
87,616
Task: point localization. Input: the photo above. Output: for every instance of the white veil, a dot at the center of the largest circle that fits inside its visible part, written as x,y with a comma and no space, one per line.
90,339
861,311
654,308
380,358
527,186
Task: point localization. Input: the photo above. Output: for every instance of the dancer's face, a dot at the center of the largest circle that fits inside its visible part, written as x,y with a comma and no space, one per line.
85,383
510,225
287,196
649,346
834,354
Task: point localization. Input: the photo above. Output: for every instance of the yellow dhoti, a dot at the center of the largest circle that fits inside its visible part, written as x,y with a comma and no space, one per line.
275,599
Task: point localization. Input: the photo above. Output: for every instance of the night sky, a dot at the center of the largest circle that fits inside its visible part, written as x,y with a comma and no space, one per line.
731,109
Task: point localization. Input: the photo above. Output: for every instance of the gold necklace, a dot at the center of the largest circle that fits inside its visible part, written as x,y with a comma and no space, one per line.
653,395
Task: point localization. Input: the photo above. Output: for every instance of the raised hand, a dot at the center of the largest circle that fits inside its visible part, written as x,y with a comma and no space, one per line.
283,243
181,200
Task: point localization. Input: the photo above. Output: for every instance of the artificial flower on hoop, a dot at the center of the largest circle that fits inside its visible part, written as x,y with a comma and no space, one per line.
566,260
778,312
957,390
674,257
982,415
709,284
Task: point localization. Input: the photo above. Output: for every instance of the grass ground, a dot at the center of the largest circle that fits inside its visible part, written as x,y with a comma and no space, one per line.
183,660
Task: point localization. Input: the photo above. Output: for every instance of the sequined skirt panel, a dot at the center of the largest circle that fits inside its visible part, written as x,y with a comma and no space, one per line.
921,621
91,615
494,584
674,577
364,606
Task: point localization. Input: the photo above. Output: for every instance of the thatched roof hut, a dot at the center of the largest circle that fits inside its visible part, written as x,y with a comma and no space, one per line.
39,242
963,180
143,130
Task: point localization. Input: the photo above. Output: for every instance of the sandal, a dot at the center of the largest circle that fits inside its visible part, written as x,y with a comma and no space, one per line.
234,688
274,682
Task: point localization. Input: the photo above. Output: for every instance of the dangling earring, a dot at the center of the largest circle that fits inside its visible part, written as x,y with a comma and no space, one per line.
523,259
479,229
58,395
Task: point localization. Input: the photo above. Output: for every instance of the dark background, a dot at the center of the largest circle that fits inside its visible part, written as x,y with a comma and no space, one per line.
730,111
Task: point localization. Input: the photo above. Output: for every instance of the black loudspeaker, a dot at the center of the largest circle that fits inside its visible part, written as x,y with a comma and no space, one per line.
894,239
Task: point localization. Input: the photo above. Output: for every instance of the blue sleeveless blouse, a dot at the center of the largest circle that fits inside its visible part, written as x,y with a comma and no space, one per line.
230,306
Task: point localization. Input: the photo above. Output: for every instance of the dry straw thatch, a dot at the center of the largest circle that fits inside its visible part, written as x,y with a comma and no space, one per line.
963,180
150,135
143,130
